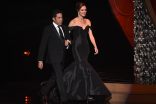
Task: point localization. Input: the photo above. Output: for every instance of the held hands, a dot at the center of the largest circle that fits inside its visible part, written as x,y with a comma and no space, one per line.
67,42
96,51
40,65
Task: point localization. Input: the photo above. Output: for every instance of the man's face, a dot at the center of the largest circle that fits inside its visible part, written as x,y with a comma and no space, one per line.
58,19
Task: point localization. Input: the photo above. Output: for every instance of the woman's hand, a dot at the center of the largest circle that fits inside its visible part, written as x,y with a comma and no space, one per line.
96,51
67,42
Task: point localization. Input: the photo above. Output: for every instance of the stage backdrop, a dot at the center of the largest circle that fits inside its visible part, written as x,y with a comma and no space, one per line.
23,23
124,11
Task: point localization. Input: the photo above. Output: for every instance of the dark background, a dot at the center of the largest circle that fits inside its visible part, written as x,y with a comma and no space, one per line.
22,24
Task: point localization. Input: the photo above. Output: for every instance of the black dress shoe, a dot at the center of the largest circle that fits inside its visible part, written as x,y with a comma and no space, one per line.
65,102
42,98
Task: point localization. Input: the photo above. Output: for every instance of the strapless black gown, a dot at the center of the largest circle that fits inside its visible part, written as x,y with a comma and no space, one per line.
80,78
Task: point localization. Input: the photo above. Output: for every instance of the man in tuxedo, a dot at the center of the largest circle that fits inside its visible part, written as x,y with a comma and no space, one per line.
54,39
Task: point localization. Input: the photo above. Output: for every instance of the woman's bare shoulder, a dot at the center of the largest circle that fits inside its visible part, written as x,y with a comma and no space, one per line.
88,22
72,22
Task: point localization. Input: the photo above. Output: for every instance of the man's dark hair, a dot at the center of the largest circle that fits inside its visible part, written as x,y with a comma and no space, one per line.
55,12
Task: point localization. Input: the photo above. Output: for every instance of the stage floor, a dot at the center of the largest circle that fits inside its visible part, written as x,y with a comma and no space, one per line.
23,91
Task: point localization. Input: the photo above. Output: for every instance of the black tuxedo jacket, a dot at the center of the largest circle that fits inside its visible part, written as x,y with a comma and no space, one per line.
52,42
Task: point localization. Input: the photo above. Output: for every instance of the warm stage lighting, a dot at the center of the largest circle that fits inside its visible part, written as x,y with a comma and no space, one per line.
27,99
27,53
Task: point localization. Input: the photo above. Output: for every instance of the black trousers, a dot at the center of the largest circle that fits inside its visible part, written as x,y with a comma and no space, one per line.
59,80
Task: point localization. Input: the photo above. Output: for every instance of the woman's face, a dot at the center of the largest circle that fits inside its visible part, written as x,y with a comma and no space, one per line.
82,12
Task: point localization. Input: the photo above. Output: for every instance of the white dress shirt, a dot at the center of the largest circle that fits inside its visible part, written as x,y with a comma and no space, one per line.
56,26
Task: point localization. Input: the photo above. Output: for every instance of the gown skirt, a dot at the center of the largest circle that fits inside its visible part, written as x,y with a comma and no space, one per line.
80,78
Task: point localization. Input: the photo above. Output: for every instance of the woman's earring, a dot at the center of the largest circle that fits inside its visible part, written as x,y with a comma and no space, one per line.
78,14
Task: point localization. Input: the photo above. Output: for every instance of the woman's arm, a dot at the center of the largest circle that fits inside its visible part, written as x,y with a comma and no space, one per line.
92,39
70,24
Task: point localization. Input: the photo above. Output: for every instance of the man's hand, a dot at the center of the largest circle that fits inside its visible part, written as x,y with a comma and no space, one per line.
40,65
67,42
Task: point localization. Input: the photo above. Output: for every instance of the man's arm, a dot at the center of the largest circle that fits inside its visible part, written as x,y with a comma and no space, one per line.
67,34
42,47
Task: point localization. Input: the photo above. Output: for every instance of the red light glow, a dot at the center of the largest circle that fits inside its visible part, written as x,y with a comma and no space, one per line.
27,53
27,99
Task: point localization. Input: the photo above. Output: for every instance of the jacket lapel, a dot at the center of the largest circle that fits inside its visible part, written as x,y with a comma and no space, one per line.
56,33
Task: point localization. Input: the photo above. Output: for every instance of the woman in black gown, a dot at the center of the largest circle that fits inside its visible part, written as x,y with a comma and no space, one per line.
80,79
